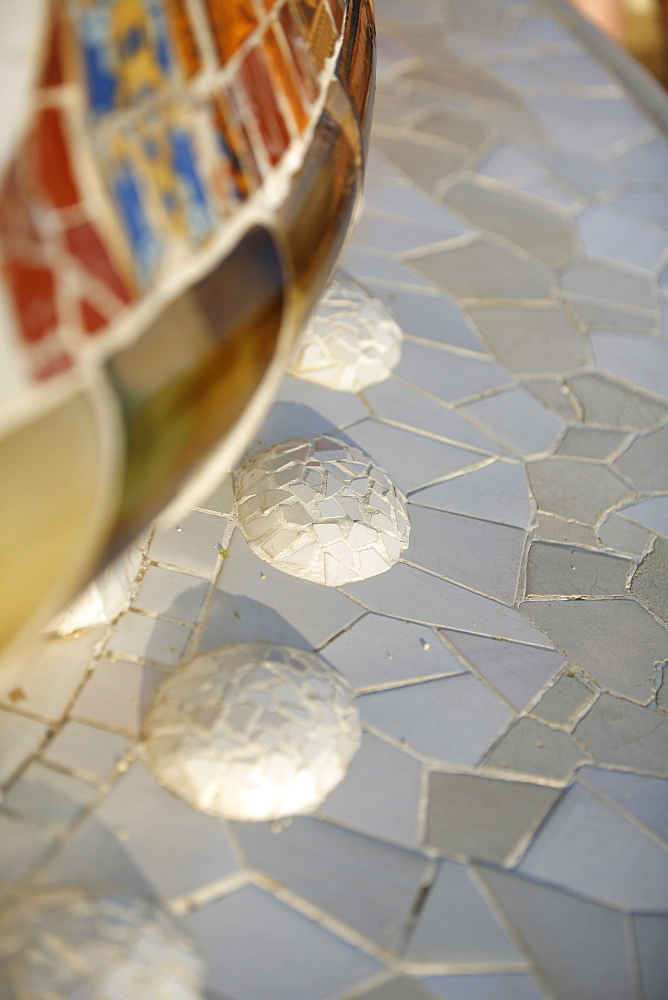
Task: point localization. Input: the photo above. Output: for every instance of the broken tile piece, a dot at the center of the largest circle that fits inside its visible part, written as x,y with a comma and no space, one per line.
615,641
551,528
631,873
49,797
618,533
590,442
532,748
434,159
621,733
24,846
569,571
644,461
650,933
456,924
574,489
555,395
649,580
607,402
20,738
610,233
495,492
90,752
463,129
610,284
483,818
563,701
491,986
117,696
446,375
429,315
517,419
538,340
486,270
634,358
152,639
642,796
652,514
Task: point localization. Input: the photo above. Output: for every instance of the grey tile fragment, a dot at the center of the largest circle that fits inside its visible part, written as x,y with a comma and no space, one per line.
24,846
152,639
463,129
402,988
20,738
404,200
221,501
302,409
563,934
48,797
170,593
607,402
300,959
380,794
608,232
650,581
495,492
610,284
393,234
448,376
532,748
117,696
618,533
90,752
592,127
191,544
546,235
590,442
597,315
486,270
368,885
564,700
615,641
515,417
651,933
556,395
570,571
551,528
379,652
631,872
634,357
642,796
620,733
455,719
476,553
433,162
493,986
509,162
463,82
652,514
429,315
532,340
650,204
648,162
645,461
483,818
456,924
556,69
518,672
588,176
573,489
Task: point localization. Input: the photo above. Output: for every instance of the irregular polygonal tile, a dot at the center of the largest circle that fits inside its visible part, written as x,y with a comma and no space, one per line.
380,652
608,402
615,641
152,639
191,544
610,284
252,731
456,924
92,752
644,461
577,68
532,340
650,933
43,676
253,601
579,947
565,570
372,266
397,235
117,696
516,418
620,733
478,554
176,848
411,594
221,500
517,125
635,358
49,797
617,532
532,748
483,818
434,159
508,162
398,989
544,234
612,316
590,442
454,126
448,376
496,492
300,960
574,489
302,409
588,176
649,580
518,672
368,885
486,270
463,81
24,846
403,200
610,233
555,395
648,162
401,404
170,593
551,528
631,871
20,739
429,315
454,719
412,459
350,342
564,700
652,514
591,127
380,794
320,510
649,204
499,986
644,797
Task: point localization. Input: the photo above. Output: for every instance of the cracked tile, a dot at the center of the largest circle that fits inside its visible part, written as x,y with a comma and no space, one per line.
649,580
447,376
170,593
521,423
486,270
456,924
495,492
618,732
483,818
590,442
641,796
568,571
517,672
618,533
555,395
635,358
632,871
532,340
644,461
454,719
551,528
608,402
563,701
429,315
573,489
367,884
20,739
532,748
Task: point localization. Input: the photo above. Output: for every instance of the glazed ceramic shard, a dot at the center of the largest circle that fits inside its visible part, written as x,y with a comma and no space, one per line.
253,731
319,509
103,600
351,342
66,942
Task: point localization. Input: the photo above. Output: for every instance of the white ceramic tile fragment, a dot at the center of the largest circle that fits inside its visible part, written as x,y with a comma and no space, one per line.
565,699
117,696
448,376
517,420
651,513
428,315
152,639
486,270
644,461
573,489
191,544
605,401
49,797
640,360
170,593
493,986
85,750
24,847
537,340
20,737
650,935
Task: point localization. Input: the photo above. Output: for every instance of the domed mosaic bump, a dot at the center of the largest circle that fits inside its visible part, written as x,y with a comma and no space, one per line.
351,342
319,509
253,731
66,942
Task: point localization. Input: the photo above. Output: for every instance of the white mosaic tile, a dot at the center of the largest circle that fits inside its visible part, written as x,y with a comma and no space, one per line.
495,492
19,739
321,510
518,421
641,360
449,376
152,639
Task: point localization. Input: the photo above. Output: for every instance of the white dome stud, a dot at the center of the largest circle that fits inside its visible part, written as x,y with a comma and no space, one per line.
252,731
64,942
319,509
351,341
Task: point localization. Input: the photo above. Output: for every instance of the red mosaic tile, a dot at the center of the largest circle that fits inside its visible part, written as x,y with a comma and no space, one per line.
60,362
33,289
283,73
54,167
83,243
337,7
299,50
260,95
91,319
52,71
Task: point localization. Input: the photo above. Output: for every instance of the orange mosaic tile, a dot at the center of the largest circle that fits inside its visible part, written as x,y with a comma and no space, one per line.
299,50
184,37
231,24
283,73
259,94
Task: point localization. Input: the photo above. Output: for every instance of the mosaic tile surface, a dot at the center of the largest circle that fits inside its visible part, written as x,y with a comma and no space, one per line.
501,832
